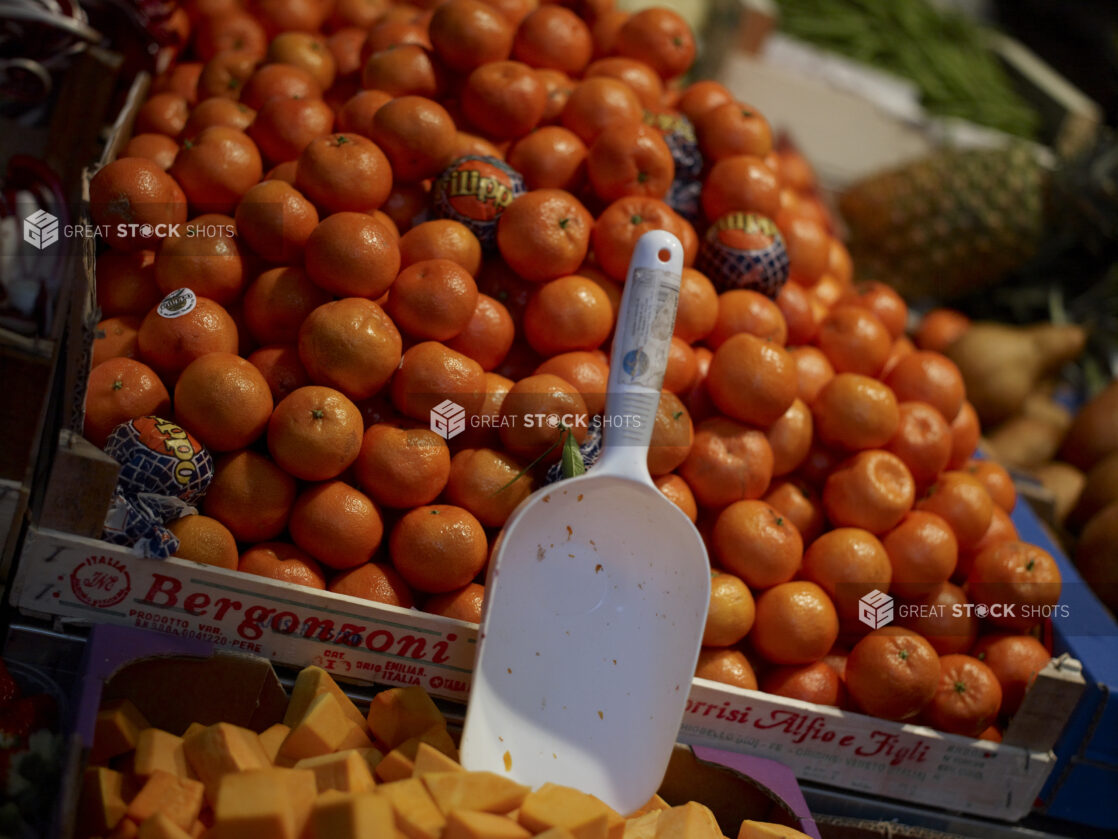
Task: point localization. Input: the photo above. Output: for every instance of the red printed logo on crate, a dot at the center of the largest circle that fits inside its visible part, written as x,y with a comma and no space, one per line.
100,582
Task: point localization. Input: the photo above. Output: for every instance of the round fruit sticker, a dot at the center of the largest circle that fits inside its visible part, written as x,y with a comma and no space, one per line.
179,302
475,190
744,250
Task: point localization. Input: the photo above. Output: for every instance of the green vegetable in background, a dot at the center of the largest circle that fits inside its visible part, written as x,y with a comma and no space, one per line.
943,53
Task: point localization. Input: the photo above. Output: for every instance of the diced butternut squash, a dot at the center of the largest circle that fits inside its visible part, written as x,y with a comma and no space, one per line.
429,759
399,713
373,756
654,803
342,816
301,792
320,731
465,824
217,750
416,813
485,792
272,738
125,829
342,771
311,682
399,763
161,826
180,799
687,821
395,766
198,829
767,830
159,749
102,800
582,814
356,738
264,804
437,737
116,730
555,833
642,826
193,728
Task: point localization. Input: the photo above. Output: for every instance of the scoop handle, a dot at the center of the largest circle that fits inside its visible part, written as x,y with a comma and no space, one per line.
641,342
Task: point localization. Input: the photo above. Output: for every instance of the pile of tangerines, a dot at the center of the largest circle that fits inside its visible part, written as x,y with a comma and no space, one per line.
822,454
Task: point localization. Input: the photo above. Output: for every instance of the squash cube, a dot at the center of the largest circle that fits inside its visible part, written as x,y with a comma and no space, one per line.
372,756
654,803
485,792
161,826
272,738
180,799
394,766
555,833
116,730
343,771
217,750
466,824
311,682
158,749
688,821
585,816
416,813
400,762
102,800
322,729
125,829
264,804
642,826
342,816
429,759
356,738
399,713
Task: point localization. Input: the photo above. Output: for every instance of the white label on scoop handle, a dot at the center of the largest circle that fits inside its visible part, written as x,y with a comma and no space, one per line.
642,340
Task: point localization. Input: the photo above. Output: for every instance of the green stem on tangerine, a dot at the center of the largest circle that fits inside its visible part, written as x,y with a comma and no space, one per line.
533,464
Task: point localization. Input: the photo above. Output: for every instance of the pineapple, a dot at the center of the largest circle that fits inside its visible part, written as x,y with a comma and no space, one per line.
950,223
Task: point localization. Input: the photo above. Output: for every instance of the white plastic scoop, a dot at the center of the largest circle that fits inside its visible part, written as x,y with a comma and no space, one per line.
597,594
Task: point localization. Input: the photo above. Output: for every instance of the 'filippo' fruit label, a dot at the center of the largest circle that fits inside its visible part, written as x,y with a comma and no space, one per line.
158,457
744,250
679,134
475,190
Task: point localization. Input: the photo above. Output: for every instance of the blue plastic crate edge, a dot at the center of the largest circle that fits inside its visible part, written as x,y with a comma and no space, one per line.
1080,788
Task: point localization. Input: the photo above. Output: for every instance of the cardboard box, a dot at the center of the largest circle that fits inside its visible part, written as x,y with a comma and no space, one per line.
173,682
176,681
